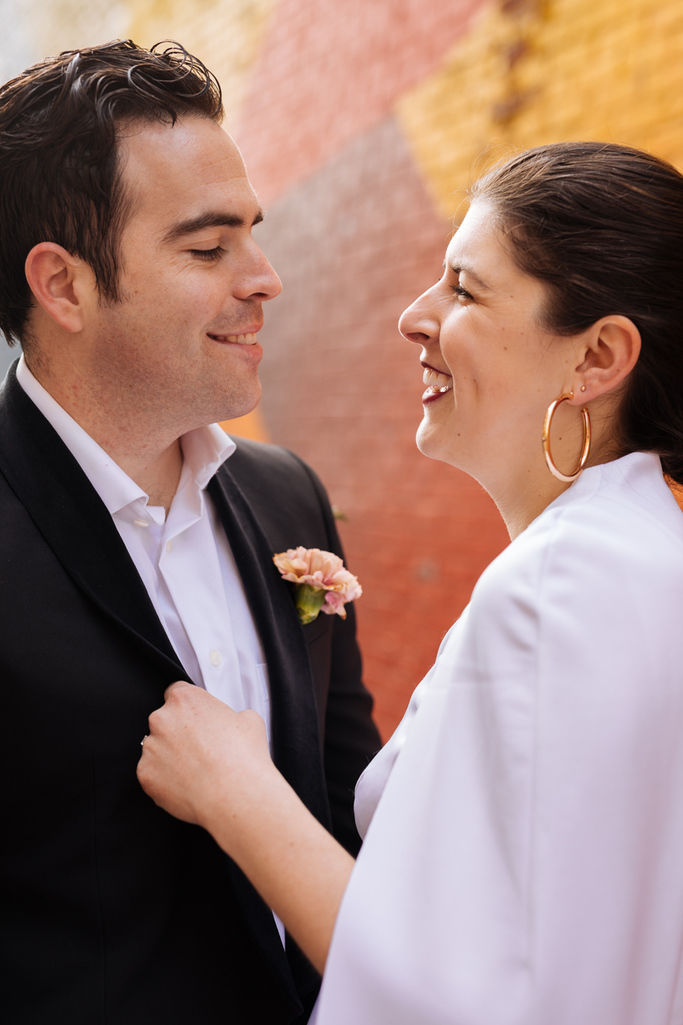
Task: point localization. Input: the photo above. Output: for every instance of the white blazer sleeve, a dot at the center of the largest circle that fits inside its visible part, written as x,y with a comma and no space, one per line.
524,865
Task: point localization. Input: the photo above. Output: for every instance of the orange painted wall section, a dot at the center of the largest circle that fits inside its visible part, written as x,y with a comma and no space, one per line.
249,426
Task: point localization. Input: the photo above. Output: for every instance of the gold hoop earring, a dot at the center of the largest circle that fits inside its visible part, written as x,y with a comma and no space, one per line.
567,478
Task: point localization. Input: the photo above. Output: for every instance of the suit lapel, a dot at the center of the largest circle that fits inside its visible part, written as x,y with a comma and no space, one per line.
74,521
77,526
294,718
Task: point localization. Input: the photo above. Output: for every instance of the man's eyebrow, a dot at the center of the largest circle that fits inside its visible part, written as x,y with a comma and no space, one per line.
212,219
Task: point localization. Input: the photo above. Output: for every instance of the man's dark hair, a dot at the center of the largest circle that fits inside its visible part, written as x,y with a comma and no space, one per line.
60,179
601,226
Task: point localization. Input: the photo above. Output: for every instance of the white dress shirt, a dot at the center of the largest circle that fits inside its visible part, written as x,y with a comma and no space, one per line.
184,559
523,854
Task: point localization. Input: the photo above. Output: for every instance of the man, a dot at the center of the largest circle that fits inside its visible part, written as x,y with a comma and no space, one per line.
136,549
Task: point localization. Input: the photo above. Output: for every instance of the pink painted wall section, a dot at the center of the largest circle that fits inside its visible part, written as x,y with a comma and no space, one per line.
329,71
354,244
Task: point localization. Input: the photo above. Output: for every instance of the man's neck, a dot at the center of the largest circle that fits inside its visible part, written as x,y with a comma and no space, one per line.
160,478
152,458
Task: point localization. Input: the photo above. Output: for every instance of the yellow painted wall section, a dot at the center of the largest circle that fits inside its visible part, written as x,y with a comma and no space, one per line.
69,24
226,36
532,72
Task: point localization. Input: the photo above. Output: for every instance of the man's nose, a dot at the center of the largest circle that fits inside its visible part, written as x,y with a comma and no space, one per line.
263,283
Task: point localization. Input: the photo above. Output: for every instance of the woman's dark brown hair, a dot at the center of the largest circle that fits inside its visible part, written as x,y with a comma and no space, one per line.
59,175
602,226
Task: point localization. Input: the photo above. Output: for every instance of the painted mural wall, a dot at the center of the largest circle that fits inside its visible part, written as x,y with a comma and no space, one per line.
362,124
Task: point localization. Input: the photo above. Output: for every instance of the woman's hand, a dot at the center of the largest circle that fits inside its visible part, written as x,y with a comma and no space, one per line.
209,765
201,759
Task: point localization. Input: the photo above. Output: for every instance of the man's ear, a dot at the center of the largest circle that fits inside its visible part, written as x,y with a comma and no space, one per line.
61,283
609,351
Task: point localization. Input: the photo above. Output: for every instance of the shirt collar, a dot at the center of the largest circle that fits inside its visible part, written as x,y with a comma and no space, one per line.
204,450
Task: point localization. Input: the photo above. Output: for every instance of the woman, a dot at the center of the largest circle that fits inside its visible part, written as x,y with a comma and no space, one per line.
523,856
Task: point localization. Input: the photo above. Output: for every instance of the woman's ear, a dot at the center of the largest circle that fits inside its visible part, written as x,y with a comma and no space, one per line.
60,283
609,352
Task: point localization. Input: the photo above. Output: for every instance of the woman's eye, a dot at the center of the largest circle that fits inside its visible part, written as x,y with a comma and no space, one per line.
461,292
209,255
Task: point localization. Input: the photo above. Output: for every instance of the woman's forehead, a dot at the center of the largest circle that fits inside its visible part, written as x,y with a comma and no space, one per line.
477,245
479,252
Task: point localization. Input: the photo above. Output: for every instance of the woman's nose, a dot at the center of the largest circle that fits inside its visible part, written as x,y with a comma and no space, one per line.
417,323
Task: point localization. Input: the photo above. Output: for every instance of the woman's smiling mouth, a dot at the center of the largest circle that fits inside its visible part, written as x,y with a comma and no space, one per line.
437,383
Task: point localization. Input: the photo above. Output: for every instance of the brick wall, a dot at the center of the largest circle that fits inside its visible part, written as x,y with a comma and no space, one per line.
362,127
362,124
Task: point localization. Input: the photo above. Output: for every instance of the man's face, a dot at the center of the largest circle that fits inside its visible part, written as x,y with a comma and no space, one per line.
180,348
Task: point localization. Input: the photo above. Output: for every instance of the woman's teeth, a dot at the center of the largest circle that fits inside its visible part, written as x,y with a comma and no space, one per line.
437,382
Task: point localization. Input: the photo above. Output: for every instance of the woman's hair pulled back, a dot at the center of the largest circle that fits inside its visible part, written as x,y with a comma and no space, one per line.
602,226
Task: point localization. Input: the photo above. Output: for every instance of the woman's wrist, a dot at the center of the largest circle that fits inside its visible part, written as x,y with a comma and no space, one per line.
238,807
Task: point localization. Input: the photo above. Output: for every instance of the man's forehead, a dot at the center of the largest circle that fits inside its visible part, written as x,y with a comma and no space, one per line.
136,130
190,174
195,147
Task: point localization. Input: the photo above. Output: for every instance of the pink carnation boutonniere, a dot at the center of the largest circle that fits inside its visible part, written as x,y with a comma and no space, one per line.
322,582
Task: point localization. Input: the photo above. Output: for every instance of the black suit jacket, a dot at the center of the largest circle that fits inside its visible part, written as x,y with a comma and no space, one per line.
112,912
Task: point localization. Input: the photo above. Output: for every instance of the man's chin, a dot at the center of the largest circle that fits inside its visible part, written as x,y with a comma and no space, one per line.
239,413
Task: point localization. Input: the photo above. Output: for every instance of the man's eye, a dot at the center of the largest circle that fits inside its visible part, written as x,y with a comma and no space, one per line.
209,255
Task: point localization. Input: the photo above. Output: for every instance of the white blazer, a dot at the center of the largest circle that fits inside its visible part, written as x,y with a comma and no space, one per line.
523,863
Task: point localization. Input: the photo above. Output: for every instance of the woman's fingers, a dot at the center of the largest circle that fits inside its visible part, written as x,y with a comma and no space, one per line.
200,753
178,685
173,752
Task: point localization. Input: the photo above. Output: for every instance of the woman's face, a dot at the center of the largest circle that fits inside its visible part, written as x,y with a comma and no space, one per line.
490,369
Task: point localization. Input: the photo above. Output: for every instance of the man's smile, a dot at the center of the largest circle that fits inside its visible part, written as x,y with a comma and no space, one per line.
248,338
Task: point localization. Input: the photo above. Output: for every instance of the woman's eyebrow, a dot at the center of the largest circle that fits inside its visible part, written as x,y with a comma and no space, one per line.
460,267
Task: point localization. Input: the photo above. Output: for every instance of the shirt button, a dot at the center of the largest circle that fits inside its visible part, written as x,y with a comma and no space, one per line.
141,523
169,546
215,657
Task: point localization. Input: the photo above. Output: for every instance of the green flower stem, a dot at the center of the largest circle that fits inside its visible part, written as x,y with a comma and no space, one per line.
309,601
